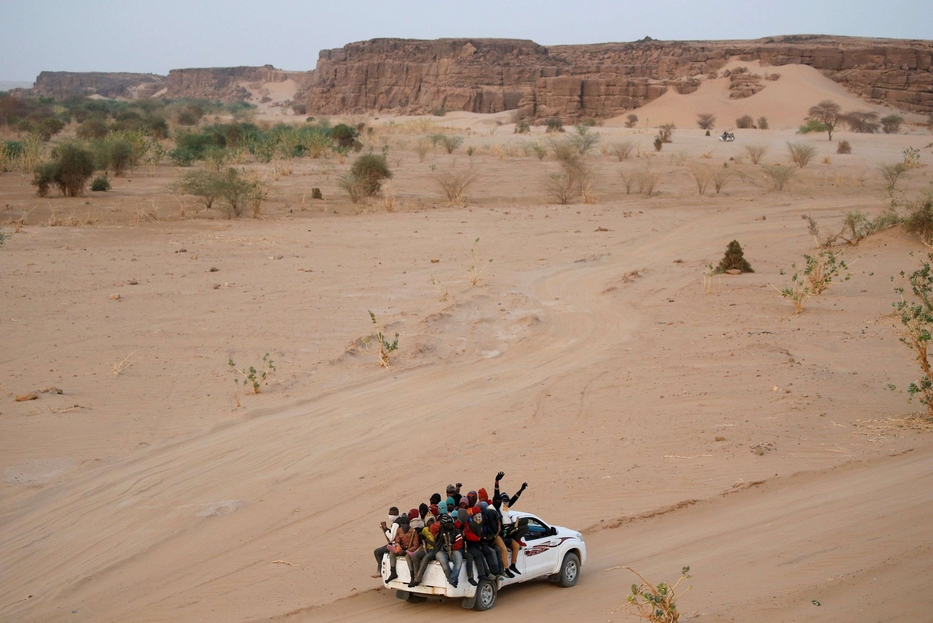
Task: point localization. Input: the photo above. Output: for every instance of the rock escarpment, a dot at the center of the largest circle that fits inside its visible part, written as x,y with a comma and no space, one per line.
63,84
570,81
573,81
225,84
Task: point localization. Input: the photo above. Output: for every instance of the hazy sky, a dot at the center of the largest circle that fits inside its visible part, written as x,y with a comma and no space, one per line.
144,36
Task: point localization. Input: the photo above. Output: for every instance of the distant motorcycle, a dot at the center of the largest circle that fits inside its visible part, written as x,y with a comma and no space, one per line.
727,137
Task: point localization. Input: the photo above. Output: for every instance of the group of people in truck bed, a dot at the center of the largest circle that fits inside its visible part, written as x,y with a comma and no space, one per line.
471,528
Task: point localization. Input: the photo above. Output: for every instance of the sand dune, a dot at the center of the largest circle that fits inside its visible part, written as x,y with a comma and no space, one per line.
784,102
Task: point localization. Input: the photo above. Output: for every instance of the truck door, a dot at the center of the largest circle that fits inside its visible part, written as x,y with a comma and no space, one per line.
539,555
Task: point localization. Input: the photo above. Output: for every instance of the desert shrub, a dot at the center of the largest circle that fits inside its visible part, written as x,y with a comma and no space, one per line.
755,152
439,111
100,184
554,124
584,139
919,218
251,377
44,177
563,149
720,177
70,169
647,180
346,136
911,157
629,179
386,348
454,185
522,127
813,278
656,604
421,149
843,147
190,115
575,177
622,150
892,124
353,186
201,183
238,191
706,121
47,128
2,237
371,170
801,153
779,174
863,122
892,173
825,115
745,122
156,127
119,156
916,315
92,128
734,259
631,120
181,157
540,151
658,143
450,142
666,132
703,175
588,122
762,123
300,109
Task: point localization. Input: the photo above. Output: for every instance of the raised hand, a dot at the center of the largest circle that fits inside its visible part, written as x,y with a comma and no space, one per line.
524,486
500,476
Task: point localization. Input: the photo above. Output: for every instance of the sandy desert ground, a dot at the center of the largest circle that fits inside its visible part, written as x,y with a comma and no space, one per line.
672,425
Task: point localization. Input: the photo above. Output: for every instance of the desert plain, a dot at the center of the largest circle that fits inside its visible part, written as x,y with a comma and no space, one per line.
673,419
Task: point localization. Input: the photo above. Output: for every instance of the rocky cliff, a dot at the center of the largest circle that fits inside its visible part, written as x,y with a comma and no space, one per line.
63,84
573,81
569,81
226,84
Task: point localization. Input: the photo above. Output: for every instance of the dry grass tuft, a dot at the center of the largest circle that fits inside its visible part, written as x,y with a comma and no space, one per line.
801,153
755,152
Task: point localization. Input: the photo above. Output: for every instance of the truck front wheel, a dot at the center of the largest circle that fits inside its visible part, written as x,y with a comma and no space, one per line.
569,570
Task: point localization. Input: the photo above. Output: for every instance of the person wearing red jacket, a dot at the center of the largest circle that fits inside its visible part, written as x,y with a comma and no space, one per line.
473,552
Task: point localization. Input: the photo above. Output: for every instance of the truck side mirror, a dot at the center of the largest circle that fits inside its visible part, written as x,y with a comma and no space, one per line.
552,531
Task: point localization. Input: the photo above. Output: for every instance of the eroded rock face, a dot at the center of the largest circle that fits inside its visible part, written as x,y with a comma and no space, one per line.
571,82
63,84
225,84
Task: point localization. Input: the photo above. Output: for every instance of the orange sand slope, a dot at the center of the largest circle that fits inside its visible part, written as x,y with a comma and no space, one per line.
784,102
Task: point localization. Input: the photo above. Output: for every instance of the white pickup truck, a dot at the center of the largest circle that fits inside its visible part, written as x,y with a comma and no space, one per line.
550,552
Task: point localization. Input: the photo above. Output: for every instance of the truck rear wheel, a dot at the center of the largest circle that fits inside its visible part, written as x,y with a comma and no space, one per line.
486,593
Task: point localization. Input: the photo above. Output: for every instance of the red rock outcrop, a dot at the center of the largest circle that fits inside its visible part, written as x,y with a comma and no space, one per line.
574,81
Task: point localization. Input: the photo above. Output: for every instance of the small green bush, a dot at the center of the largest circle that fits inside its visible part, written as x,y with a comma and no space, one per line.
451,142
812,125
522,127
919,219
93,127
843,147
658,143
631,120
70,169
346,136
100,184
891,124
554,124
440,111
371,170
734,259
